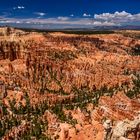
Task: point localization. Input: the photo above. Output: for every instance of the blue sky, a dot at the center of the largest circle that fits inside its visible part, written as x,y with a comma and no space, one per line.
69,13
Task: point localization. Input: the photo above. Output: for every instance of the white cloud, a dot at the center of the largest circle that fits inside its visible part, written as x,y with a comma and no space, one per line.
18,22
60,21
72,15
86,15
105,19
106,23
40,13
28,22
63,18
19,7
118,17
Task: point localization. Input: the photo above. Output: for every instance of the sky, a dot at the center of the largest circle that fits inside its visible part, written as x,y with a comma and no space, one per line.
69,13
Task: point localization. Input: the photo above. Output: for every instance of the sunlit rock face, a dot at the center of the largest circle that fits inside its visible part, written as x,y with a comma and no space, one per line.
77,87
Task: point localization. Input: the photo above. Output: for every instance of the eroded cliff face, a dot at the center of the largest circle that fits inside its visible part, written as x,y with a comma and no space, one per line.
82,87
12,50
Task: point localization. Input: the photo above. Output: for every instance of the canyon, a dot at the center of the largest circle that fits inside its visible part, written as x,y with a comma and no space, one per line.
65,86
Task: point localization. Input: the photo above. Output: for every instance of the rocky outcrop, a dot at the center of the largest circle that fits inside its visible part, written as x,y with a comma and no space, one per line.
12,50
127,129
